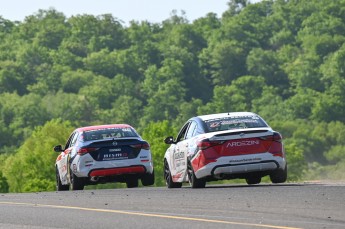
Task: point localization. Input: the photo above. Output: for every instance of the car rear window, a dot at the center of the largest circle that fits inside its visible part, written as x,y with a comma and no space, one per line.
109,133
237,122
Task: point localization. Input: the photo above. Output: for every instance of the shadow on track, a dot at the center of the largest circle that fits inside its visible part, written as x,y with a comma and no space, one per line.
216,186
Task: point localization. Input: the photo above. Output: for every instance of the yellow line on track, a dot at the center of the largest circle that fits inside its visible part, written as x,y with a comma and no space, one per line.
151,215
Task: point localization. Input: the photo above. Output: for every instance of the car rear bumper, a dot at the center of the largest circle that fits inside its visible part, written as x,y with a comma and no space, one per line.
241,165
85,166
117,171
245,168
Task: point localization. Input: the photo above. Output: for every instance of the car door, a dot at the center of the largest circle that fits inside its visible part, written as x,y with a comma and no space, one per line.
191,140
184,147
63,163
178,155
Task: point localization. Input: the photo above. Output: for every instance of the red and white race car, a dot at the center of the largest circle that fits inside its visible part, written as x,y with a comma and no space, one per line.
224,146
101,154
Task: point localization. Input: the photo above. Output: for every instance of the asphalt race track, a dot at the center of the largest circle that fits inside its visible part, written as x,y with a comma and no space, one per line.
286,206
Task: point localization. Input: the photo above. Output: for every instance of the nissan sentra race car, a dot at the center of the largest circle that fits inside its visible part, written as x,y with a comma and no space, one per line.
224,146
101,154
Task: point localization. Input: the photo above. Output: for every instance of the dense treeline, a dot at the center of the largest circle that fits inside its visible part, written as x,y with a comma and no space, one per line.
282,59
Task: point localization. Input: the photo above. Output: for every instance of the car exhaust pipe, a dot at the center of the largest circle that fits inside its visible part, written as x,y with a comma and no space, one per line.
220,176
94,179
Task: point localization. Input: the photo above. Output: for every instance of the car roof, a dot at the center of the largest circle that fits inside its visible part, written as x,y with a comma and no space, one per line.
88,128
222,115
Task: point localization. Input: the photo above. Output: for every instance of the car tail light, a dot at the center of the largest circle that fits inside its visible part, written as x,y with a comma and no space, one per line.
145,146
206,143
276,147
141,146
86,150
275,137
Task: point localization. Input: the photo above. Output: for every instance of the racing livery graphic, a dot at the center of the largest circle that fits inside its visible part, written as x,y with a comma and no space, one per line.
238,145
101,154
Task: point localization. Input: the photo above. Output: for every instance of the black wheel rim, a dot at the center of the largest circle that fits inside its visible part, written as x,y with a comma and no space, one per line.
167,173
57,180
190,174
72,181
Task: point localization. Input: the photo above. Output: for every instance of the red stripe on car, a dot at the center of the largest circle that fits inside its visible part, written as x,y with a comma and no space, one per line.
117,171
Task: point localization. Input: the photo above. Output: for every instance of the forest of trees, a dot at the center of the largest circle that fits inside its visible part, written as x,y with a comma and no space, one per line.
282,59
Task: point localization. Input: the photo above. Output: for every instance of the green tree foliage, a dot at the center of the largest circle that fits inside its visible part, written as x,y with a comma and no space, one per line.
123,111
11,77
19,115
49,28
102,63
239,95
32,167
3,184
165,91
207,26
155,133
266,64
296,162
4,188
284,60
73,81
226,61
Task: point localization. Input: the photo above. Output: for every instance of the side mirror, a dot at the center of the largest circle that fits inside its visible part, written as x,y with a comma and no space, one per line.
169,140
58,148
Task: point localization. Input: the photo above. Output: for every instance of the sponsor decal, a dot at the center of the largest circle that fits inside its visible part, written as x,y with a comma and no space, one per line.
178,155
178,159
59,158
63,168
214,124
177,176
245,160
74,168
180,163
88,163
243,143
110,156
114,150
238,121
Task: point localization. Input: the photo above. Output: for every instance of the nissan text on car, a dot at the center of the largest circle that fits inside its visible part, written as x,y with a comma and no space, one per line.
224,146
102,154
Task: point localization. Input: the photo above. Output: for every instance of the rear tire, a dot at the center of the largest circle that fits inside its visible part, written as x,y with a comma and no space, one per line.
193,181
76,182
279,176
168,179
148,179
59,185
253,180
132,183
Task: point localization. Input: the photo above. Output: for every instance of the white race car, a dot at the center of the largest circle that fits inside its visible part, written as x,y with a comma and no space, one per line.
101,154
224,146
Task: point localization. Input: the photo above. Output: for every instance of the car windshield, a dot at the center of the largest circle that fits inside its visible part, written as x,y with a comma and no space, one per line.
235,122
109,133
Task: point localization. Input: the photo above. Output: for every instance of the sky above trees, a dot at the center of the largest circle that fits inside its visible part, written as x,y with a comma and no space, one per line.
126,10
